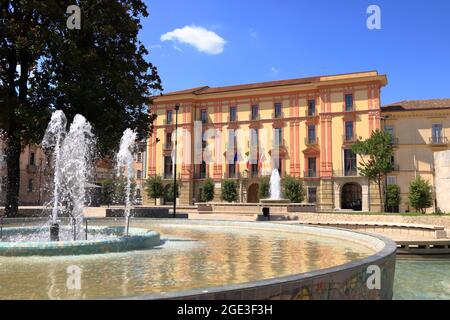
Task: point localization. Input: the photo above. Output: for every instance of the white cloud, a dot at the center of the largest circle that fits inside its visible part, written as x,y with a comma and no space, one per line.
177,48
156,46
275,70
202,39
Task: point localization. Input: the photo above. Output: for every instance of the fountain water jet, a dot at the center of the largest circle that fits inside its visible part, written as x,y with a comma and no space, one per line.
125,165
275,185
72,153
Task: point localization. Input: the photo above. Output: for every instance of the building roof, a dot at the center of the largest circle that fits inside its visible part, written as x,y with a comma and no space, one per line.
410,105
297,81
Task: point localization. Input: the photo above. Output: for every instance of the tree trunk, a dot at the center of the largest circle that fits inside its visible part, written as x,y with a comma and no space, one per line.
13,175
381,196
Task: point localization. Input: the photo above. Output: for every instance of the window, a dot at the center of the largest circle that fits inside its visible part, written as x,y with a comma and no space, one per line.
233,114
204,116
32,159
390,129
279,164
436,133
349,163
311,168
30,185
139,157
138,193
138,174
312,195
169,116
277,110
232,140
348,131
391,180
349,102
169,140
311,108
168,167
203,170
255,112
311,134
278,137
232,170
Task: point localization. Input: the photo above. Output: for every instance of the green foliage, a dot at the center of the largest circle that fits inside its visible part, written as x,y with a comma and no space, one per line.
293,189
99,71
376,157
420,196
168,191
229,191
208,190
154,187
264,188
392,196
114,190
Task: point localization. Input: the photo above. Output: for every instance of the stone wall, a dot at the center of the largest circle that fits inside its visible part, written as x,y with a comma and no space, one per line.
442,179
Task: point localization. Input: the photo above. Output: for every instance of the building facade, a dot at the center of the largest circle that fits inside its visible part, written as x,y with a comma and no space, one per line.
419,129
302,127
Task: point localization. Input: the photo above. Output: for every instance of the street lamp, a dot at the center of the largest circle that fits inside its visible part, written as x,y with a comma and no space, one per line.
177,107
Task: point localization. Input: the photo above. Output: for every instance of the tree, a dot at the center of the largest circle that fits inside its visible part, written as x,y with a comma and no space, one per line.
99,71
264,188
229,191
208,190
108,191
293,189
154,187
420,196
376,158
168,191
392,197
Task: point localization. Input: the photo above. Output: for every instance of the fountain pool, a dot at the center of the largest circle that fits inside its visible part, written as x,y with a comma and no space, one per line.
209,259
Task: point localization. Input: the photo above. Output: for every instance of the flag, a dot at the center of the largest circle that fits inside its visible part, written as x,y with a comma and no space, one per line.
235,157
260,162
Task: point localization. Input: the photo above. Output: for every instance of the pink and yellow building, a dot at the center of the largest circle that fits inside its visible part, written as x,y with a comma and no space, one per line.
302,127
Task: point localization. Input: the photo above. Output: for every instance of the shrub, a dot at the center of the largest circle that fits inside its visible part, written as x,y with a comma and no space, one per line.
168,192
154,187
392,196
264,188
293,189
420,195
208,190
229,191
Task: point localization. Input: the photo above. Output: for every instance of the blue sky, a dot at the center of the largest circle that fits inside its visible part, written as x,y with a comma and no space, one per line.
231,42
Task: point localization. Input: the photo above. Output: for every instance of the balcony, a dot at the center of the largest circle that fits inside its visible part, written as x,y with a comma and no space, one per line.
311,173
311,141
346,108
278,115
394,141
31,168
310,113
253,117
168,175
346,138
201,175
395,167
281,143
168,146
167,123
352,172
438,141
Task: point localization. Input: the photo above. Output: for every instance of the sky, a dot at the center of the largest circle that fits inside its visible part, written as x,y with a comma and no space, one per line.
227,42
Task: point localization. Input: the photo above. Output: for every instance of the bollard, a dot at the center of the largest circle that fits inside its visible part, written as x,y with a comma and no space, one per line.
54,232
266,213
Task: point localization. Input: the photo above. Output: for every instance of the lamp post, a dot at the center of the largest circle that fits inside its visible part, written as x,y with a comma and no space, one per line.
177,107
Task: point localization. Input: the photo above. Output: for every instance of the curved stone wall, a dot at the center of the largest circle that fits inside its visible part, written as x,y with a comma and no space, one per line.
348,281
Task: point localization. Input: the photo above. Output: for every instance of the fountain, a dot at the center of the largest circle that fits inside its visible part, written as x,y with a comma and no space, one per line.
125,167
275,189
72,159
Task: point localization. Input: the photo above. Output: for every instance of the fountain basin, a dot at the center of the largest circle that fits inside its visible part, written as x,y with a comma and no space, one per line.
138,239
275,201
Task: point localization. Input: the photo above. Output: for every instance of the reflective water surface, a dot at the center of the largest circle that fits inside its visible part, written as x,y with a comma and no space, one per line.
422,279
192,256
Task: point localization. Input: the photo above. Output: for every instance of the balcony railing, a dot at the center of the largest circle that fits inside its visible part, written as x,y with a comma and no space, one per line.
31,168
279,143
253,117
441,140
352,172
394,141
311,141
349,138
395,167
278,115
311,173
165,122
346,108
310,113
201,175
